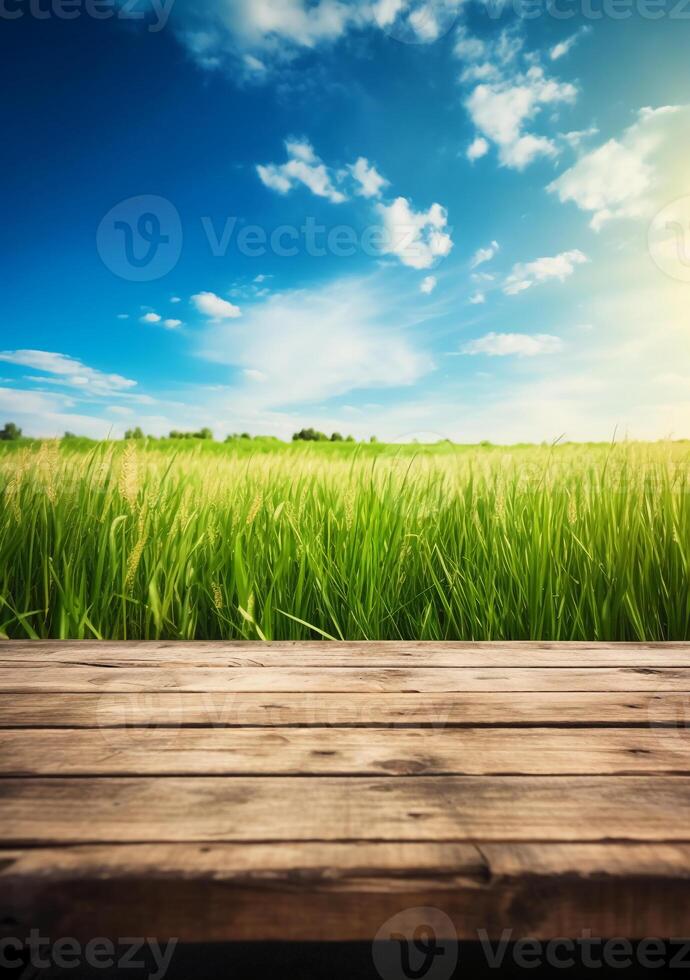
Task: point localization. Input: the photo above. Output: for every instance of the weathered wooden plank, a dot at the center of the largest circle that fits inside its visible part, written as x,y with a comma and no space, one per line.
214,710
443,786
324,655
316,891
427,680
332,751
452,808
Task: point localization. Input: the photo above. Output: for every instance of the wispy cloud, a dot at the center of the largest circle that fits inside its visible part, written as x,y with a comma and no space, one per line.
69,371
526,274
483,255
315,344
563,48
514,344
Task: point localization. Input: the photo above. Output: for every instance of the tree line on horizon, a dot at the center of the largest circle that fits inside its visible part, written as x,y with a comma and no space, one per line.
11,433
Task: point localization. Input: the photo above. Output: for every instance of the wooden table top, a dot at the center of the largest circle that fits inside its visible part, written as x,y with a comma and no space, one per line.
311,791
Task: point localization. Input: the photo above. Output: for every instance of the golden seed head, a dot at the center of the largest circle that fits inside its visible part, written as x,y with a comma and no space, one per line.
129,474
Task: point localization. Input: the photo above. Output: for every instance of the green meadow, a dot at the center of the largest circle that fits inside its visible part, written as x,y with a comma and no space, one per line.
256,539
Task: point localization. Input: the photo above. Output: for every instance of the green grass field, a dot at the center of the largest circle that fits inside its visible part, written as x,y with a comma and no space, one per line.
259,540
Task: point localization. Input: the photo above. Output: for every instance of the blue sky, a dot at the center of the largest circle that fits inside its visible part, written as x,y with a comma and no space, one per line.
415,219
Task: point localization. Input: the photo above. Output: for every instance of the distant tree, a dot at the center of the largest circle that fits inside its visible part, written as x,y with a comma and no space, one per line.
10,432
134,433
309,435
373,439
336,437
245,435
70,435
350,439
201,434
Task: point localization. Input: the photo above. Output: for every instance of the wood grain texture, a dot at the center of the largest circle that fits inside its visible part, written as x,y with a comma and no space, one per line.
433,808
227,791
352,654
341,680
314,891
246,709
333,751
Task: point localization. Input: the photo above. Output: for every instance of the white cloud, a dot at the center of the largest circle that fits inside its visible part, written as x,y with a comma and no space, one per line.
494,54
214,307
302,167
469,48
386,11
371,183
500,111
123,316
483,255
428,284
305,167
151,318
416,237
621,178
49,416
507,97
577,136
258,32
255,66
68,371
476,299
317,344
258,38
424,22
478,148
564,47
175,299
483,71
517,344
172,324
253,375
524,275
